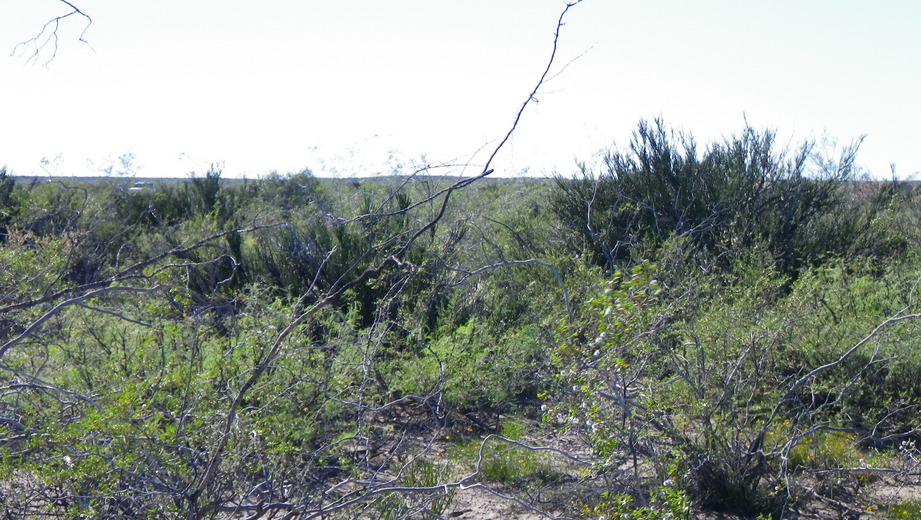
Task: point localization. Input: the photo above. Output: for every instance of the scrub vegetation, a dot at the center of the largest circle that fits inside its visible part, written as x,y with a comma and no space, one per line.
675,331
665,332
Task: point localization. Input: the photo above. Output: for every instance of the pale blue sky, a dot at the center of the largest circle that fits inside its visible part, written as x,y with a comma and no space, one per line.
352,87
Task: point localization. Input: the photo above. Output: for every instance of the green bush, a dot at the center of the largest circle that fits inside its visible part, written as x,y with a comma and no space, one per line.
736,195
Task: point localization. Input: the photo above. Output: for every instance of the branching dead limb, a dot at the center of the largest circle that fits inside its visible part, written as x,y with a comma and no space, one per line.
523,446
899,316
31,329
40,384
48,36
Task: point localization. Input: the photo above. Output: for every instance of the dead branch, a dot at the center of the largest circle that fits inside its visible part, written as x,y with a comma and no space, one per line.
31,329
899,316
49,35
40,384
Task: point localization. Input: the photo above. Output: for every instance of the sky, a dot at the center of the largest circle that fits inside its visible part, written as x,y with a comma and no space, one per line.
367,87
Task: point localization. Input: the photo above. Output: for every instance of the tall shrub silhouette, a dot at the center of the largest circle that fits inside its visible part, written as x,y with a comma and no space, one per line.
740,193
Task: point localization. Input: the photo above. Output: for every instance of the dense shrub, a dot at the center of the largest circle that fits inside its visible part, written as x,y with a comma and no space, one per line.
738,194
702,382
175,350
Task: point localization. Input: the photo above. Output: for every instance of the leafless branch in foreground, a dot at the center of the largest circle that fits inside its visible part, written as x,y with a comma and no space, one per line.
49,35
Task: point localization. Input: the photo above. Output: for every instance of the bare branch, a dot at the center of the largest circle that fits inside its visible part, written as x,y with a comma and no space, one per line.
524,446
49,35
40,384
114,313
540,82
67,303
899,316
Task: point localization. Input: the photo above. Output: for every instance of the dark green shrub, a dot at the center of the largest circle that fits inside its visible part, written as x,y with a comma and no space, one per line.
738,194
